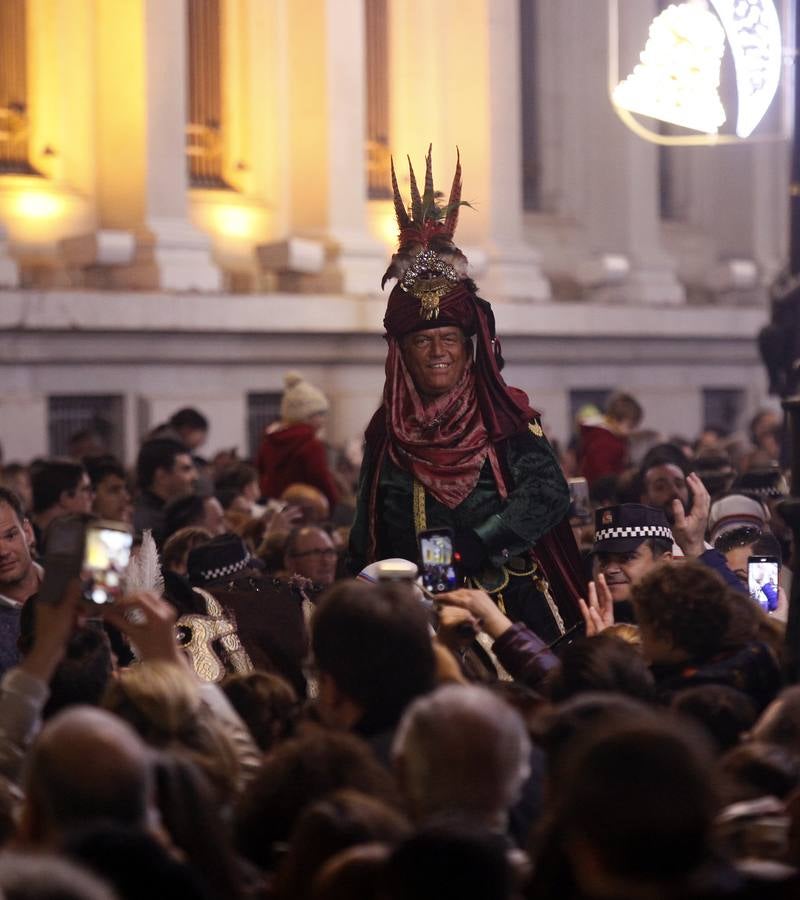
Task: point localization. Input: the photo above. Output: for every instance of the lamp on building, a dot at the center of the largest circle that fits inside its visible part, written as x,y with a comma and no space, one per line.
38,205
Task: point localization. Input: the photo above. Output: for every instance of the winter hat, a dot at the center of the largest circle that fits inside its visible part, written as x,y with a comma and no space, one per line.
301,400
735,511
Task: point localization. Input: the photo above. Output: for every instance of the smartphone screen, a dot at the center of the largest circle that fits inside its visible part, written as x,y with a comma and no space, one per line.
762,581
438,564
580,508
105,561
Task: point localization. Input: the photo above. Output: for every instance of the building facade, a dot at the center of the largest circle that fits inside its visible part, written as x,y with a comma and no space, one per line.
193,199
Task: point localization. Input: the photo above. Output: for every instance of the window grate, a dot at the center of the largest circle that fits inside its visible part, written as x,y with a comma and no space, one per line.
14,120
377,62
262,410
723,408
101,415
205,120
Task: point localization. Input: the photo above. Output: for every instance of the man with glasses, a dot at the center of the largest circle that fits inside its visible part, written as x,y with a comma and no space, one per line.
309,552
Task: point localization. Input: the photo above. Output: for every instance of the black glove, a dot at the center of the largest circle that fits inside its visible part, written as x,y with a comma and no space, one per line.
471,549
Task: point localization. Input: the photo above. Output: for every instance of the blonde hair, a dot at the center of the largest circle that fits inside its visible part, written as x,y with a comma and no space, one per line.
625,631
162,701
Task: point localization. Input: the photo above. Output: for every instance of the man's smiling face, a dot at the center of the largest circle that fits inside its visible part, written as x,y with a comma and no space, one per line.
436,359
621,570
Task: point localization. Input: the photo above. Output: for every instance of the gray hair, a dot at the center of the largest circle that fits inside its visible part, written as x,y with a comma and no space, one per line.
462,751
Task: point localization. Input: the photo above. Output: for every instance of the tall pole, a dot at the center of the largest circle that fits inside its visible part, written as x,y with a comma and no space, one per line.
786,319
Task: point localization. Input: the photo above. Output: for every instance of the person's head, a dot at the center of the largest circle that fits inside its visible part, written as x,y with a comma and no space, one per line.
601,663
735,511
780,722
310,501
175,551
756,769
16,539
683,612
60,487
239,479
461,752
448,861
86,764
165,468
765,429
436,359
83,673
630,540
662,478
309,552
194,511
635,808
374,654
340,820
221,559
163,703
624,412
191,425
302,402
725,713
267,703
112,500
299,772
16,478
739,544
48,877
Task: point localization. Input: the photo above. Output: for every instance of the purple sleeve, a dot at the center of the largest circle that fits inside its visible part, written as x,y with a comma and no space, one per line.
716,561
524,655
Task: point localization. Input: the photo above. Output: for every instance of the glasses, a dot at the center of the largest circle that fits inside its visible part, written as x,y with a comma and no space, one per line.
327,553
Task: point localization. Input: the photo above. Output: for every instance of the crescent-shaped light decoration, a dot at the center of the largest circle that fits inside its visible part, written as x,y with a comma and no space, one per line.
754,34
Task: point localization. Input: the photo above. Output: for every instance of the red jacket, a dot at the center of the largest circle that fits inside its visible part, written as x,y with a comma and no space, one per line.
294,455
602,452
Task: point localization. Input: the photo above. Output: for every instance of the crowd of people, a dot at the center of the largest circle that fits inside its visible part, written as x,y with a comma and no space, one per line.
599,704
267,725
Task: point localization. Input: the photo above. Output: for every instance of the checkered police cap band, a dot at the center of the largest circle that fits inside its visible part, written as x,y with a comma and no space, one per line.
633,531
225,571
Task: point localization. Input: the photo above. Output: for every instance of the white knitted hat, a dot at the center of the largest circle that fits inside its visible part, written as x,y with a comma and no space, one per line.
301,400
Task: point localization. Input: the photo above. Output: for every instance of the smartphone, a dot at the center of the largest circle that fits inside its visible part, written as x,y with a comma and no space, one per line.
762,581
438,560
580,507
63,556
107,551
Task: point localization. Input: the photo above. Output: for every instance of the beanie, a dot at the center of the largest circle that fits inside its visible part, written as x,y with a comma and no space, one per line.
301,400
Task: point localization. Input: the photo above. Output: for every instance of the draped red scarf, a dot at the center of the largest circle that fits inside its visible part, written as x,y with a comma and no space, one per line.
443,444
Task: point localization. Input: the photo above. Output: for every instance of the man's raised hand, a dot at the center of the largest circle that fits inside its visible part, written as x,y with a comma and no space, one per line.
689,530
598,613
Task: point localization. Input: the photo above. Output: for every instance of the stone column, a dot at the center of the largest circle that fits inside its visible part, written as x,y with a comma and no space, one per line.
326,135
182,253
456,83
627,261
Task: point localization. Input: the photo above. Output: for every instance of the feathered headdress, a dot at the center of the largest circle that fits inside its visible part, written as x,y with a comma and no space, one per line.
427,264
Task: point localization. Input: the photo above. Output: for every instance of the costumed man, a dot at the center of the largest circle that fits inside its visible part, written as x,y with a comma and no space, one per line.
454,446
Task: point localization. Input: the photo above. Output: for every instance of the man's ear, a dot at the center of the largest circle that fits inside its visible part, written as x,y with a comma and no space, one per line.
30,537
667,556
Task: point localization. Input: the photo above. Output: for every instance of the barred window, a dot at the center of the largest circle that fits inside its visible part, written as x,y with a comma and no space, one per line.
377,63
262,410
204,112
723,408
13,89
99,416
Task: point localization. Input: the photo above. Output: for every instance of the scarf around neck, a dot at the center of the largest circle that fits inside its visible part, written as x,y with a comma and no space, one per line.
443,444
